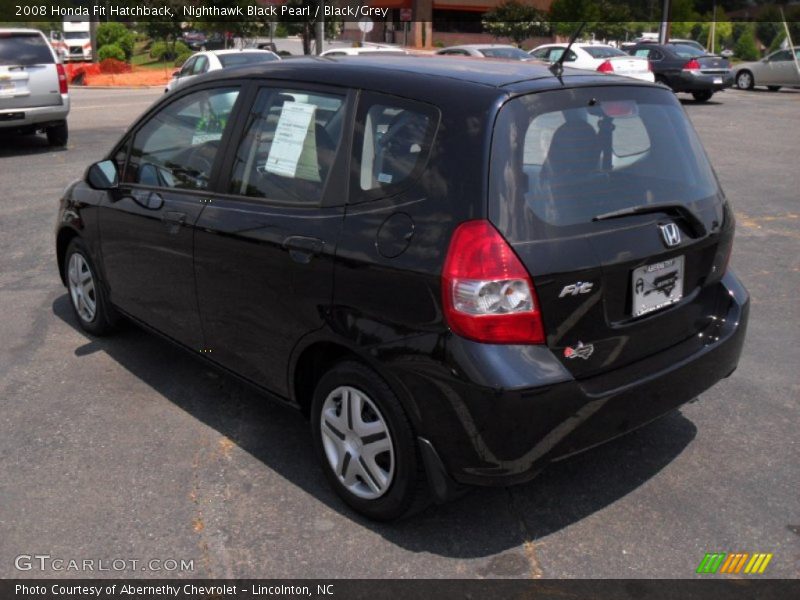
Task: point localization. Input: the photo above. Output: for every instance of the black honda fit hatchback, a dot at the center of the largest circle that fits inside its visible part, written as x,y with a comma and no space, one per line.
459,270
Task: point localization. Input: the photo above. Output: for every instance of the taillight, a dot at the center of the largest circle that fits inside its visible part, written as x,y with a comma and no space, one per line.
692,65
62,79
488,295
606,67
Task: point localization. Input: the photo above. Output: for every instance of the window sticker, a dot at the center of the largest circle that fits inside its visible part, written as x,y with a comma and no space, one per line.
294,148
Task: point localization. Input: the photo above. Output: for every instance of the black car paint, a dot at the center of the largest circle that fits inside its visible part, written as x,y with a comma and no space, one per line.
668,68
485,414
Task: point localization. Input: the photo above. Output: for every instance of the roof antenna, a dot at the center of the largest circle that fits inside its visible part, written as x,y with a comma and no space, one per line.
557,68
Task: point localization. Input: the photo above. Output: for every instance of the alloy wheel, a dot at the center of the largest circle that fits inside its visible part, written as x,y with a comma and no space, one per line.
82,287
744,81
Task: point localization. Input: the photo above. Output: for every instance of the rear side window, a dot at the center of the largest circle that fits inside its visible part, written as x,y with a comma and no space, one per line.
177,147
24,49
289,146
393,143
561,158
602,51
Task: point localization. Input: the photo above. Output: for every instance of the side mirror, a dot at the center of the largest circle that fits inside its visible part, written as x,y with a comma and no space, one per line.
176,73
103,175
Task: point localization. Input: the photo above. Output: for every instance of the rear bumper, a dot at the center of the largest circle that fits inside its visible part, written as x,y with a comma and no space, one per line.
497,433
41,116
688,82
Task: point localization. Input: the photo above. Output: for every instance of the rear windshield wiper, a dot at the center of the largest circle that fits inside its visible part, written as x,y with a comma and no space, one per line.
678,210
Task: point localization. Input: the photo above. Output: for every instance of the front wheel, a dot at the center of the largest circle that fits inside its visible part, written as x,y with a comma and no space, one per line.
89,302
702,96
744,80
366,445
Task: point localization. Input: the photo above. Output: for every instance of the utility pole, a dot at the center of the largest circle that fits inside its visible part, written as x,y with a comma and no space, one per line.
320,28
663,30
93,32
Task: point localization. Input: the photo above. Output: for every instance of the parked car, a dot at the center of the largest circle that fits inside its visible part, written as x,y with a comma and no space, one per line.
215,60
458,274
775,71
33,86
486,51
686,69
382,50
196,40
596,57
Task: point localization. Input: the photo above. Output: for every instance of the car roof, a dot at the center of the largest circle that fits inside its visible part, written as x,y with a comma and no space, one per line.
19,30
441,71
476,46
237,51
575,45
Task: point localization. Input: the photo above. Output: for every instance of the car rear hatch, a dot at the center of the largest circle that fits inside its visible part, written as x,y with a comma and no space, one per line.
607,197
28,75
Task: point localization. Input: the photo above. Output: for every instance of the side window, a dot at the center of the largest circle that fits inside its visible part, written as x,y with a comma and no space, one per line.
200,65
644,52
541,53
289,146
188,67
393,144
656,55
176,148
781,56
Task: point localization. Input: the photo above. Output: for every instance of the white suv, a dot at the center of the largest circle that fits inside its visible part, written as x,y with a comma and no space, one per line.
33,86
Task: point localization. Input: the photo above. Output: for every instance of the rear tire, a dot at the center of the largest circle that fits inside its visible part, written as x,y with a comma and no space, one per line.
87,296
744,80
58,135
774,88
702,96
367,447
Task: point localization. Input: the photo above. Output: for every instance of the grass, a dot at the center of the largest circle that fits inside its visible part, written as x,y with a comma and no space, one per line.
141,58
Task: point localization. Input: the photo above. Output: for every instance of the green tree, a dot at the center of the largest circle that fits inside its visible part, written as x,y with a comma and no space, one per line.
113,33
306,29
746,48
515,20
606,19
111,51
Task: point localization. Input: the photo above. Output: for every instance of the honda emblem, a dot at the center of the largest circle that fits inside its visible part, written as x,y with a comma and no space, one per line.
671,234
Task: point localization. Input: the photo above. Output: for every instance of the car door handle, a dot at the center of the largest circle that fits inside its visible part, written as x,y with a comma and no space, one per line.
302,249
173,221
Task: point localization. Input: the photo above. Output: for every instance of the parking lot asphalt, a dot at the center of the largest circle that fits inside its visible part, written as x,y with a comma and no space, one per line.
128,448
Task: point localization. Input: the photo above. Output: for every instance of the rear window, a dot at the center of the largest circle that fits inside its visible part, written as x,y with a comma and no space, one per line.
561,158
245,58
515,53
685,51
24,49
603,51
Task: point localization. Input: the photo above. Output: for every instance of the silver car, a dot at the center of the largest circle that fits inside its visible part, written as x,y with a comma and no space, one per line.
486,51
775,71
33,86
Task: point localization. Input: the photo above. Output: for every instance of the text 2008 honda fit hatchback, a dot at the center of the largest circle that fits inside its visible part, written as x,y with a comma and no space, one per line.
459,270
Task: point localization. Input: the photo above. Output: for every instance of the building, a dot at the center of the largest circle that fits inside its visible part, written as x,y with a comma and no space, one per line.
429,23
